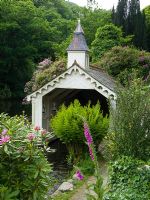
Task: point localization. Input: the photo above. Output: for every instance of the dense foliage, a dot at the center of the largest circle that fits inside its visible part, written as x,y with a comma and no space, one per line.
44,75
33,30
129,132
29,32
24,170
128,16
123,62
129,179
92,20
107,37
147,21
68,125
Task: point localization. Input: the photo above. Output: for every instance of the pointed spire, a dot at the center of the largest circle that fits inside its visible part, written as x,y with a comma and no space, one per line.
78,43
79,28
78,51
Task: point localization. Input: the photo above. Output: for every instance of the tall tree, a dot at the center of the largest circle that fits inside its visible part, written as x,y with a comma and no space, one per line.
92,20
29,32
113,15
132,20
107,37
121,14
147,17
136,24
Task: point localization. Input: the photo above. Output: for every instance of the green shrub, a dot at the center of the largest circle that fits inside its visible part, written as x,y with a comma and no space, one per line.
67,124
107,37
129,180
43,76
24,170
129,132
120,62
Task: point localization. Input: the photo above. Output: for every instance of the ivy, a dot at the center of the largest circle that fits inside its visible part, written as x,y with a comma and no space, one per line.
129,179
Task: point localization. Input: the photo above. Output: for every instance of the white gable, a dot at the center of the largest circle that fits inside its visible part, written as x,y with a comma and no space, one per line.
74,78
75,81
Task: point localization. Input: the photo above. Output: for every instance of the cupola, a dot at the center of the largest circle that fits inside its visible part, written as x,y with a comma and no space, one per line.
78,50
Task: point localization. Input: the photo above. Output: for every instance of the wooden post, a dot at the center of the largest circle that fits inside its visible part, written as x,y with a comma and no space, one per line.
37,111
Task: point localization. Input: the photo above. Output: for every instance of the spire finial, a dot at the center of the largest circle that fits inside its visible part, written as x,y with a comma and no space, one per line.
79,28
79,16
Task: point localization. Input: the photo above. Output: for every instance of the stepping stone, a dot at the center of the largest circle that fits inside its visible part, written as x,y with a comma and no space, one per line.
65,186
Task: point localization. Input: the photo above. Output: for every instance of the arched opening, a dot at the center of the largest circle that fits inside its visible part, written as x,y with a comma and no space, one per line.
53,100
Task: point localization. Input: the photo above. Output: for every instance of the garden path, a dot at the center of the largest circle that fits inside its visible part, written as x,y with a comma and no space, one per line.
81,192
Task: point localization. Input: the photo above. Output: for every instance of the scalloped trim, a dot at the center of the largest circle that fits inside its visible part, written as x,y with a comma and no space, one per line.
75,68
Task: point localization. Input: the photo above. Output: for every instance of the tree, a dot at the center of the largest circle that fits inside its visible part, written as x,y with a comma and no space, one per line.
136,23
29,32
120,18
147,20
92,20
24,36
132,21
107,37
113,15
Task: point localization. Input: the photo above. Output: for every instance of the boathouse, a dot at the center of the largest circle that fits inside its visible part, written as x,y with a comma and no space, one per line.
79,81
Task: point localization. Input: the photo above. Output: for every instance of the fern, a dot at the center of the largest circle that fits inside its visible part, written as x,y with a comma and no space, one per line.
68,126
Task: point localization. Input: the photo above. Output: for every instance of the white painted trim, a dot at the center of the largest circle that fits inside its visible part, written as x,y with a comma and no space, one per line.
109,94
37,105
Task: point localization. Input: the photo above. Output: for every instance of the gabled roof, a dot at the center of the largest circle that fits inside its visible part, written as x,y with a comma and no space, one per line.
101,76
78,43
101,82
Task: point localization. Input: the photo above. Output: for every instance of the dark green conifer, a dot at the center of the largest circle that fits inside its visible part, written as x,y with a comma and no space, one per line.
113,15
132,21
122,14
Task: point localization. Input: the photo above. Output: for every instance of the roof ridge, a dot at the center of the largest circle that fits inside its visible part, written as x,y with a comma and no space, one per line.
98,69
